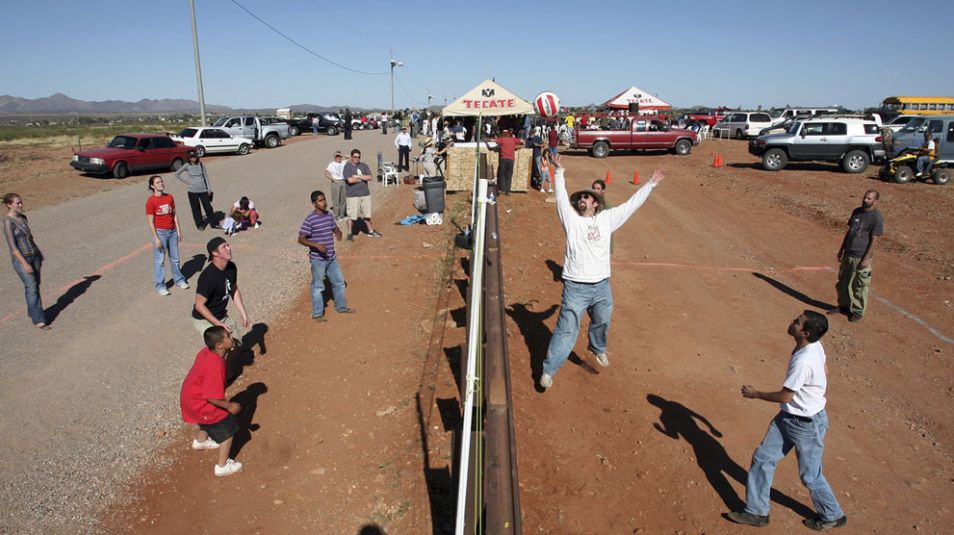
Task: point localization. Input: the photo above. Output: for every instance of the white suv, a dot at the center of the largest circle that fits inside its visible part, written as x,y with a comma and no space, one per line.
852,141
742,124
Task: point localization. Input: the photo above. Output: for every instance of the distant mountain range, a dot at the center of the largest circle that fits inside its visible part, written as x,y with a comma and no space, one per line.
60,103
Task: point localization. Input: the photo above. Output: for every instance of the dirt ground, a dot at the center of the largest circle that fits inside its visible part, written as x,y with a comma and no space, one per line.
351,425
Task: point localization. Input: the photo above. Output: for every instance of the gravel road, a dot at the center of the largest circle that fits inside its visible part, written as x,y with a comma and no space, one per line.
86,405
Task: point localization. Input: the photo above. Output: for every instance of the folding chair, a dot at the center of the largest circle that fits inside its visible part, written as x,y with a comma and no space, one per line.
387,171
704,132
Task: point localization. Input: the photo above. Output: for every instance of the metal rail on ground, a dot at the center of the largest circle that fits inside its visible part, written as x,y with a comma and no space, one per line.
488,492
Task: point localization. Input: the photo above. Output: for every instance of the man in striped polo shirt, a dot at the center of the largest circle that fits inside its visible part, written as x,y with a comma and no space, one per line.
318,233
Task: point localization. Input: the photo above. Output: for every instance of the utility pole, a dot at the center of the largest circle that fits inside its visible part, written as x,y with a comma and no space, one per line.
394,64
198,66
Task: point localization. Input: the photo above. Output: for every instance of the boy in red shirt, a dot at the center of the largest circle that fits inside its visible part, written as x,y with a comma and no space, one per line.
202,400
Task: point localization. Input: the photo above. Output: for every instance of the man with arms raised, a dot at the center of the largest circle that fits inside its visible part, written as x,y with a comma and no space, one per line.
586,269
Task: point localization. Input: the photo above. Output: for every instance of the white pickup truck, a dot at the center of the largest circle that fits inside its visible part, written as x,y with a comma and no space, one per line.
264,131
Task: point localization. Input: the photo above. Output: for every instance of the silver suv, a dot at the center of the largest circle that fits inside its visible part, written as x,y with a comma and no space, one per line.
852,141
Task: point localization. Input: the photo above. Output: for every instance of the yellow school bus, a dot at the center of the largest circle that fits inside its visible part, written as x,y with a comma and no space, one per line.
917,106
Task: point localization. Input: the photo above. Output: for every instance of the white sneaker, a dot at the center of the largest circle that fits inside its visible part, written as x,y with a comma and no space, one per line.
546,380
231,466
183,284
602,359
550,190
257,225
208,444
163,291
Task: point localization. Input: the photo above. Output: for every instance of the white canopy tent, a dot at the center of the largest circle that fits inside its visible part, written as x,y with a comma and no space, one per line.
647,102
489,98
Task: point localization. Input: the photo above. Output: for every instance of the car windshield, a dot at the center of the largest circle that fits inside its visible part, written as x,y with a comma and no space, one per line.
901,119
915,125
122,142
220,122
794,128
188,132
776,113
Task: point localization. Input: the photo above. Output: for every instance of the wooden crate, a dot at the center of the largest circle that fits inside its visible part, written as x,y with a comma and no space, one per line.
459,174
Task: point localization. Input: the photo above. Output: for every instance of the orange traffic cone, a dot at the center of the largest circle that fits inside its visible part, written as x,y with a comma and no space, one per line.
717,161
609,176
636,176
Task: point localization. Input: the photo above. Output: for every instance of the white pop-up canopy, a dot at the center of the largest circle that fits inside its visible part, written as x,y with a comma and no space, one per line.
646,101
489,98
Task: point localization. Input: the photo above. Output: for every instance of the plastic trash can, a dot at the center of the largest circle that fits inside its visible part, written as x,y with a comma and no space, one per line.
433,193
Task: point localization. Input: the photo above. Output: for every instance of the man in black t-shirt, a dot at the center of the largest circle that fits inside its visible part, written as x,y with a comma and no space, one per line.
854,276
217,284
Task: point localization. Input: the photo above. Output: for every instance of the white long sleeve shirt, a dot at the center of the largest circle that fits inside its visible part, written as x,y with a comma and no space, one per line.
587,257
402,139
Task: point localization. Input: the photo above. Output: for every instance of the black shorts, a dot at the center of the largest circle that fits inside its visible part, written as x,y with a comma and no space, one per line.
222,430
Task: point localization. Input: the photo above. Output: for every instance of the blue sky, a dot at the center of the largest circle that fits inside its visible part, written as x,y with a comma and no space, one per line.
729,52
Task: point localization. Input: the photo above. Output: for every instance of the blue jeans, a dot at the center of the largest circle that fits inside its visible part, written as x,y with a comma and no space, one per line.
31,287
807,436
169,239
924,162
596,300
319,269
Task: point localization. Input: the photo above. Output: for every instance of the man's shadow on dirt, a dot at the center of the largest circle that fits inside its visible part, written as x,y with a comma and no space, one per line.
556,270
676,420
69,296
244,355
537,337
248,399
788,290
190,268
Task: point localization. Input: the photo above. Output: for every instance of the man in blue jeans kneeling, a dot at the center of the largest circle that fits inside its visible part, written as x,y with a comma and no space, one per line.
586,268
801,424
318,233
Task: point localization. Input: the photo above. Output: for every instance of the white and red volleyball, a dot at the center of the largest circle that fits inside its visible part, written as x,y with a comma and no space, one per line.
547,104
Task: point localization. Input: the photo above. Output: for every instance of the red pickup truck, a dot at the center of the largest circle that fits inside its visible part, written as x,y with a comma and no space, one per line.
709,117
638,133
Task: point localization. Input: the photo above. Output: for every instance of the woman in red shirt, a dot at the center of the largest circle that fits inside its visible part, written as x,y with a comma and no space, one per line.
164,226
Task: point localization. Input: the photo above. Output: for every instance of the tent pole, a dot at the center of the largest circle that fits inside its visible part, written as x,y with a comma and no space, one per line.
473,189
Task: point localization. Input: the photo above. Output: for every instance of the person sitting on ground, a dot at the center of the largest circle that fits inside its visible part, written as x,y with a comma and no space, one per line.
242,216
927,153
202,401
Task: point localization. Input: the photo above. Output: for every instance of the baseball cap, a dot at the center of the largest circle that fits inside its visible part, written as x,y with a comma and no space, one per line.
214,244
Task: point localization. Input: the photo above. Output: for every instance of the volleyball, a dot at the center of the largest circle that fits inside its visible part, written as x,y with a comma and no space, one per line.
547,104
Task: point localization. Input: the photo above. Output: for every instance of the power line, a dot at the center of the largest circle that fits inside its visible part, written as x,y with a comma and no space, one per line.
408,93
303,47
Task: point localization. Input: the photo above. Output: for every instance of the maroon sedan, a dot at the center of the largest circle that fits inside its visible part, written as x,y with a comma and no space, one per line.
130,153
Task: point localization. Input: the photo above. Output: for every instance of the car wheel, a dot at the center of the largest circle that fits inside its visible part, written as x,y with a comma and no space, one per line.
243,149
120,170
683,147
739,134
600,149
331,131
774,160
941,177
903,174
855,161
271,141
176,164
199,151
293,131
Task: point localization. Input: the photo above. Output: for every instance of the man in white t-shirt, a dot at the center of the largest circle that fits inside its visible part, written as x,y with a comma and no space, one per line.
586,269
801,424
335,173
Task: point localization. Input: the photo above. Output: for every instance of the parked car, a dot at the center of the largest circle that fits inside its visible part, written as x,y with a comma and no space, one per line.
132,153
900,122
709,117
212,140
852,141
329,123
742,124
641,133
264,131
912,133
784,114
